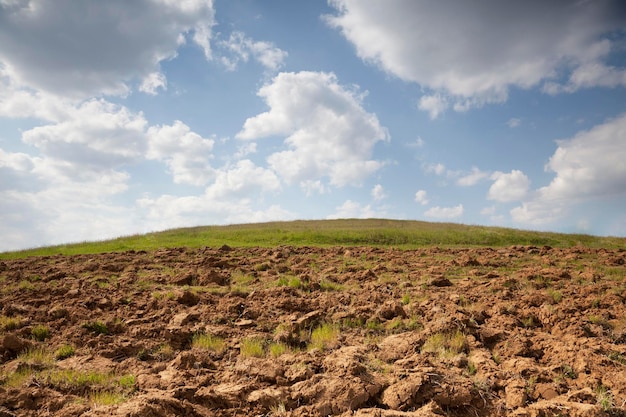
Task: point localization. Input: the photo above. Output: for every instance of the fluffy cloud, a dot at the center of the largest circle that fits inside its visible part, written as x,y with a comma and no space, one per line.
588,166
329,134
241,48
186,153
445,212
354,210
508,187
472,178
421,197
244,179
97,47
450,48
591,164
378,193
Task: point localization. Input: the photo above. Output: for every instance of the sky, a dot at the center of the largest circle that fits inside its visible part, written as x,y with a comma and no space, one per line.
121,117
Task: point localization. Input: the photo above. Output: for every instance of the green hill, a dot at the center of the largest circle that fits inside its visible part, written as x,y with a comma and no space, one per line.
349,232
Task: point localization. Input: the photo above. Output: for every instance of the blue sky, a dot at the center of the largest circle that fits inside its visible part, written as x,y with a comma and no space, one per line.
126,117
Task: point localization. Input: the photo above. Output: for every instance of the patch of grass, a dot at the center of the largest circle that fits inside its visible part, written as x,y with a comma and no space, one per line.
278,349
599,320
352,322
568,372
324,336
471,368
10,323
107,398
617,357
64,352
554,295
25,285
18,378
528,322
289,281
406,234
40,332
208,342
374,325
604,397
252,348
445,344
36,356
406,299
96,326
164,352
328,285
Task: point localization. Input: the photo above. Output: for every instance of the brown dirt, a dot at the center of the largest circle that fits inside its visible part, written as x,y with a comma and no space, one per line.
521,331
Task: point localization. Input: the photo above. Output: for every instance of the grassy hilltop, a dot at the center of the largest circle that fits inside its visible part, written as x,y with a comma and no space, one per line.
404,234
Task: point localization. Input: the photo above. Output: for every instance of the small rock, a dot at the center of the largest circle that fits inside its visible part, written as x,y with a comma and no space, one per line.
440,282
188,298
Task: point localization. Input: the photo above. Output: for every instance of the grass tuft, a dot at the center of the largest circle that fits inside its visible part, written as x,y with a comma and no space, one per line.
324,336
252,348
64,352
208,342
446,345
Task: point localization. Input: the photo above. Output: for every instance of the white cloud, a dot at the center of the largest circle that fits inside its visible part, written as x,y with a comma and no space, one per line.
434,104
421,197
329,134
470,53
514,122
589,166
354,210
438,169
445,212
378,193
92,47
152,82
508,187
472,178
311,187
488,211
186,153
244,179
242,47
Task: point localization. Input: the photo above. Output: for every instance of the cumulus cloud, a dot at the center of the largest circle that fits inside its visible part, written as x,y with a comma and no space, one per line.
152,82
243,179
588,166
472,178
355,210
421,197
450,48
241,48
378,193
328,132
185,153
118,41
591,164
508,187
445,212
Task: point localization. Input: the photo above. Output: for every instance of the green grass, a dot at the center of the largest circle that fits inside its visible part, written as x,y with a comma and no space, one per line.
208,342
406,234
96,327
324,336
64,352
252,348
445,344
40,332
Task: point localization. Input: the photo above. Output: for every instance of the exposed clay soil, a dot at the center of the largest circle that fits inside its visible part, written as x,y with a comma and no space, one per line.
521,331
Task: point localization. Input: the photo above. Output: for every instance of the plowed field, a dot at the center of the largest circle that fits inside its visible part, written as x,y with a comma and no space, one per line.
297,331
